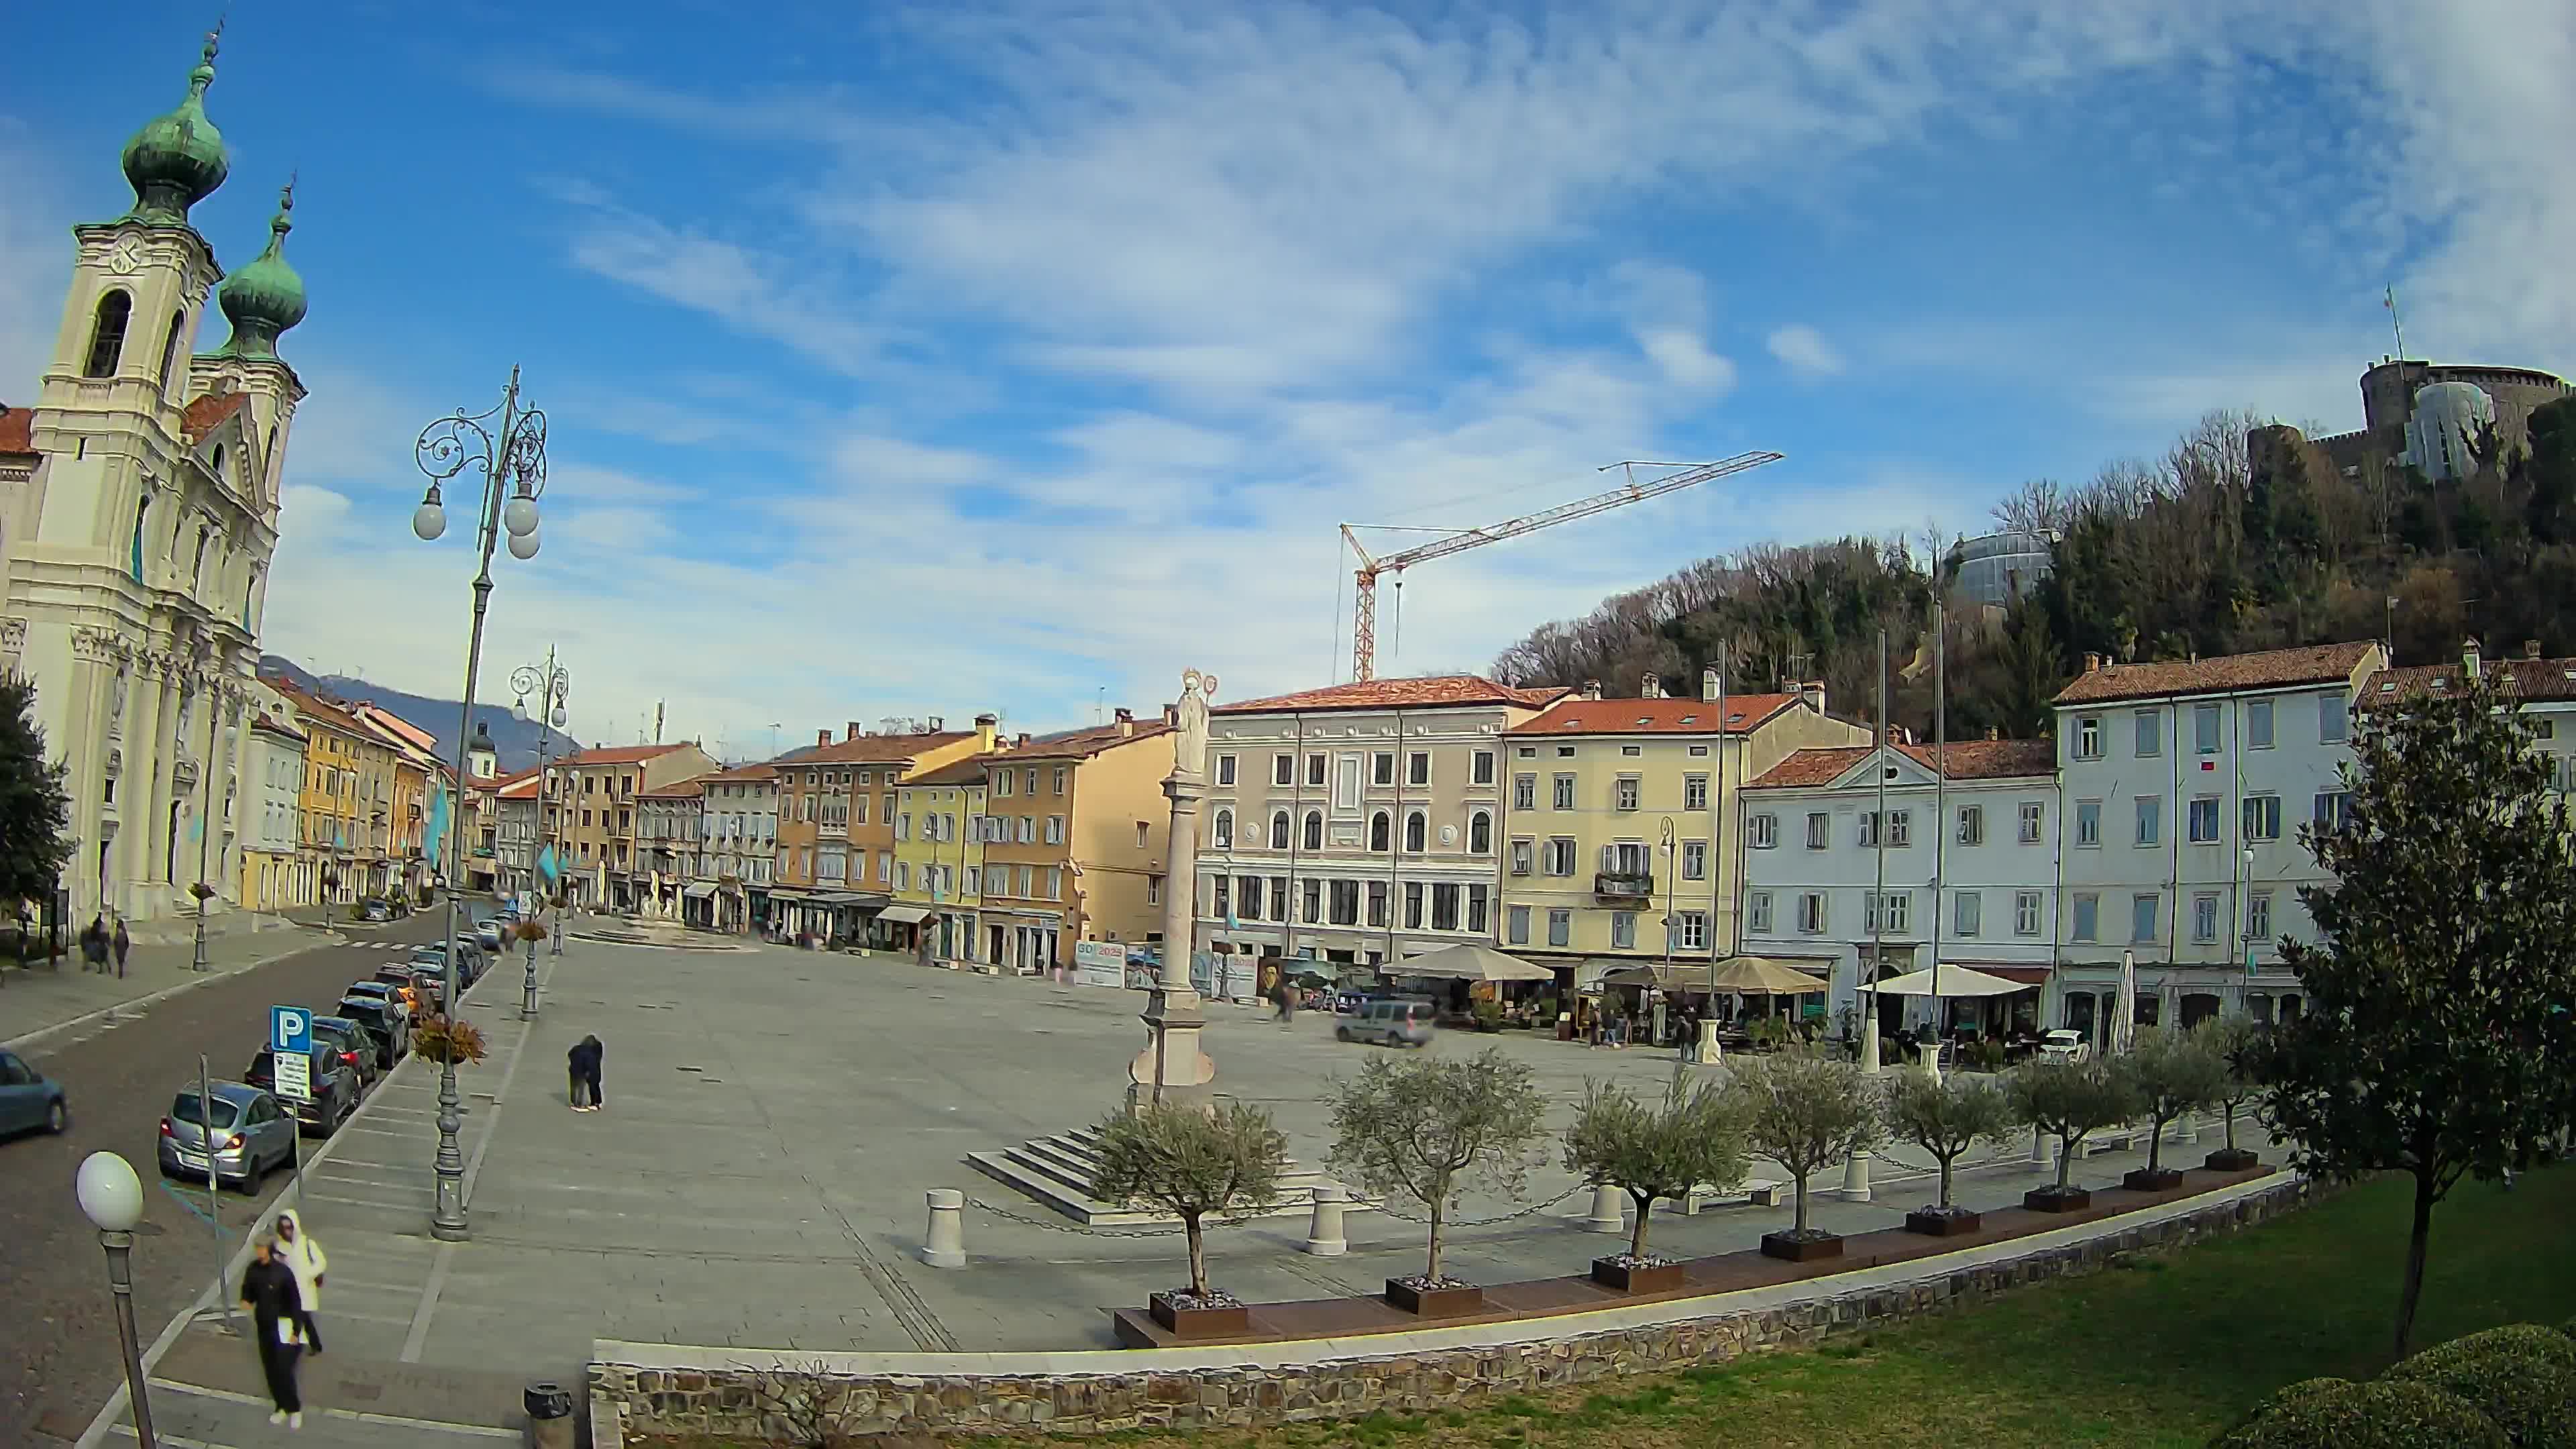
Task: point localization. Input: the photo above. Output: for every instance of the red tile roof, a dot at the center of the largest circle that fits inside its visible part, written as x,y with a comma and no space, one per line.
1080,744
677,790
1654,716
278,727
2533,678
206,411
1424,693
17,430
618,755
519,787
329,712
968,771
878,749
741,774
1968,760
2272,668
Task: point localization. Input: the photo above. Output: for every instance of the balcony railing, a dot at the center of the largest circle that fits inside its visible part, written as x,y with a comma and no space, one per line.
1623,885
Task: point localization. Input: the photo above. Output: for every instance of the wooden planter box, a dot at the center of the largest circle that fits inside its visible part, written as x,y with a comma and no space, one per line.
1435,1302
2050,1200
2231,1159
2163,1179
1199,1322
1942,1225
1800,1250
1661,1278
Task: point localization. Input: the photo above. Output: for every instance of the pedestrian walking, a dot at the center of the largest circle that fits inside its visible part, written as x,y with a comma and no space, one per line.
268,1288
1287,1004
123,943
304,1258
94,944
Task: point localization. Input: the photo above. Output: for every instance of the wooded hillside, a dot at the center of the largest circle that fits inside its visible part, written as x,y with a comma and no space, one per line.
2202,551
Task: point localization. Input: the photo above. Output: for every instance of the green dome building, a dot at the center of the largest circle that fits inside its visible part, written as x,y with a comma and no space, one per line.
264,297
178,160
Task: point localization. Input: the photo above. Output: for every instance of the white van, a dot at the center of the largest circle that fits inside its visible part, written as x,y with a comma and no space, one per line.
1393,1022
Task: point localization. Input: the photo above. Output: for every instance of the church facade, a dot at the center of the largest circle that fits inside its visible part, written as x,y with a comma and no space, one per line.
138,516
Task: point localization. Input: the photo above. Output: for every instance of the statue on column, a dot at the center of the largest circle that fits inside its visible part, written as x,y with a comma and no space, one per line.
1190,754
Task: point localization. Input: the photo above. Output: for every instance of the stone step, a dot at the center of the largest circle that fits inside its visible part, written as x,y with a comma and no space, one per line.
1057,1171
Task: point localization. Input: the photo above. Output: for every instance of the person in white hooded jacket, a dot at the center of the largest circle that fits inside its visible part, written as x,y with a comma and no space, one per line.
304,1256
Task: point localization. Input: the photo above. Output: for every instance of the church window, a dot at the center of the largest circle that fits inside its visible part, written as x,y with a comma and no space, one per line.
142,509
170,350
107,337
197,566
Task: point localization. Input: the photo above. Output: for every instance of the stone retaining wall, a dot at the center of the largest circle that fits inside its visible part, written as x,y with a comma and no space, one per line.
728,1401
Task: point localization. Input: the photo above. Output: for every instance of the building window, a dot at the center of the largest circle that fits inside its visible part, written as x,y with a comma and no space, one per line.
2142,918
2088,738
1061,772
2025,913
1278,830
1417,768
1417,831
1380,826
1314,829
1247,897
1525,792
1564,795
2088,916
107,333
1377,903
1382,768
2204,917
1899,907
1627,792
1900,828
1516,925
1972,825
1315,771
1757,911
1279,898
1811,913
1560,855
1345,904
1055,830
1820,830
2088,822
1623,930
1693,935
1444,906
1483,771
2258,915
2151,734
1694,792
1565,752
1225,769
1560,927
2262,817
2258,724
1968,914
1223,832
1524,855
1153,889
2204,729
2333,720
2333,809
1413,905
1694,860
2204,820
1283,771
2151,819
1480,833
1313,891
1762,832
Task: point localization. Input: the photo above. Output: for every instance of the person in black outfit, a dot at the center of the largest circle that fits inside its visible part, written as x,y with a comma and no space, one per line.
277,1308
576,1073
583,1059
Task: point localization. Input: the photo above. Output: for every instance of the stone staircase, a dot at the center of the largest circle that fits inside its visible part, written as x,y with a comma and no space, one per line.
1057,1171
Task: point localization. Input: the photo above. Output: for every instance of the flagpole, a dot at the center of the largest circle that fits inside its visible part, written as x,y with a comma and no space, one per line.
1940,814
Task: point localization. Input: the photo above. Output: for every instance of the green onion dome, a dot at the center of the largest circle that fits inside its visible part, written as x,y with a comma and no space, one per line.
264,297
178,160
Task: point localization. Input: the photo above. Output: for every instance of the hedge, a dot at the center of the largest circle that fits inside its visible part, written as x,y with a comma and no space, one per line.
2523,1376
2382,1415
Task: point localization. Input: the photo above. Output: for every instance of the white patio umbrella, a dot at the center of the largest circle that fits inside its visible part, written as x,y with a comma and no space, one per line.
2124,1019
1469,963
1955,981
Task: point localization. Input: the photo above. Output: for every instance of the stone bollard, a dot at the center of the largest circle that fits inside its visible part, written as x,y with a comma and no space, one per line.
2039,1150
1855,1186
944,1246
1324,1230
1609,1211
1706,1046
2186,1129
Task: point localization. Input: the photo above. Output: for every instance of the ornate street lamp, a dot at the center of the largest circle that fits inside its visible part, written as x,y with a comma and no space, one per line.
552,686
508,445
112,1198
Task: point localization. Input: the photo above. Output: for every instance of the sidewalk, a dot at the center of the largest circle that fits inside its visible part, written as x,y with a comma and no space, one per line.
47,999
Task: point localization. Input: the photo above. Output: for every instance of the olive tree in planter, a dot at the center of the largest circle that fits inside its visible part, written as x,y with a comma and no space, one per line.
2234,1043
2173,1074
1946,1116
1427,1129
2073,1100
1805,1111
1693,1140
1194,1163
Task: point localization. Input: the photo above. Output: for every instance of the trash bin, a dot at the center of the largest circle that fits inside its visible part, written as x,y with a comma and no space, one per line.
549,1416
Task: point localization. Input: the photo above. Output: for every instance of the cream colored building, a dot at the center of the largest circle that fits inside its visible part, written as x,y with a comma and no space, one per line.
1358,823
1620,820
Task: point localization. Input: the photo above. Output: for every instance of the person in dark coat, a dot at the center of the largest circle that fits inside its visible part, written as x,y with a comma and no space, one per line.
583,1060
123,944
94,944
277,1311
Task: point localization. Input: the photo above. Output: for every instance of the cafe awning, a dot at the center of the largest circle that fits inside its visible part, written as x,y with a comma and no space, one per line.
1955,981
904,915
1762,975
1468,963
698,890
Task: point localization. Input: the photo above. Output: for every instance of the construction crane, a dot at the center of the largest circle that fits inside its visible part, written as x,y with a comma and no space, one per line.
1364,610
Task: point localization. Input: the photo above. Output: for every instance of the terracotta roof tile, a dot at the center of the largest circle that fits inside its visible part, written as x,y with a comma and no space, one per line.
2534,678
2272,668
1968,760
743,774
677,790
277,727
329,712
968,771
618,755
17,430
206,411
1081,744
1424,693
878,749
1653,716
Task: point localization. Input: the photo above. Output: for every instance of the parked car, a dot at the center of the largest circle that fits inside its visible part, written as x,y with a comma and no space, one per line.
335,1089
376,908
384,1021
1393,1022
429,988
2065,1045
374,990
29,1100
248,1131
399,977
487,934
355,1045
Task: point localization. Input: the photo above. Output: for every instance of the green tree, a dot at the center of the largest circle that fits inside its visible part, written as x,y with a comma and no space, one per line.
1693,1140
1805,1111
35,811
2231,1041
2073,1100
1947,1116
2446,939
1433,1126
1193,1163
2549,472
2174,1073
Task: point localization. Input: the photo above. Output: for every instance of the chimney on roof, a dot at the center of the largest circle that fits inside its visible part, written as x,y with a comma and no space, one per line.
2092,662
2530,648
1172,715
939,724
1708,684
1592,689
853,728
1651,687
1126,720
1023,741
1813,692
823,737
987,725
2469,657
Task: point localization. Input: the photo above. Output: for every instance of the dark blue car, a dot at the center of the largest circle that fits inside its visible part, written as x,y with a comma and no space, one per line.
29,1100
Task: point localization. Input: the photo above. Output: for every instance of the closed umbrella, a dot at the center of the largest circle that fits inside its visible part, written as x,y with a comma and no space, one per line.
2124,1020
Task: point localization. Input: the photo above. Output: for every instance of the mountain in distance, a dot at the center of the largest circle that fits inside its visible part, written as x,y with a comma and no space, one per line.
513,738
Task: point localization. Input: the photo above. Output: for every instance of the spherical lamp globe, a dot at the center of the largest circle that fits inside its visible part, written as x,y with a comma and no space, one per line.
110,1194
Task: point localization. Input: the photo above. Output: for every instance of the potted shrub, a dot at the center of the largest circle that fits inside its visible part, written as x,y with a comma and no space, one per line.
1946,1117
2073,1100
1194,1163
1805,1111
2235,1043
1693,1140
1428,1129
2173,1074
202,891
444,1039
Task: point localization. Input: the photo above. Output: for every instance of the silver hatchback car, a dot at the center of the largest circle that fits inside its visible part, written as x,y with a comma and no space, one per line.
1394,1023
250,1133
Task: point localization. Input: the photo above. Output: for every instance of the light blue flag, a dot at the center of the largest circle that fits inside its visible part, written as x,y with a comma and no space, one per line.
547,865
437,820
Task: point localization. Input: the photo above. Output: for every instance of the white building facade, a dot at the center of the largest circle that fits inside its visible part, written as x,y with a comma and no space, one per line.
741,833
1969,872
2184,785
277,875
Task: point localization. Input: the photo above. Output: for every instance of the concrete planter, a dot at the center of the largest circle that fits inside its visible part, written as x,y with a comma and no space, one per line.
1231,1320
2163,1179
1933,1223
1792,1249
2050,1200
1645,1278
1434,1302
2231,1159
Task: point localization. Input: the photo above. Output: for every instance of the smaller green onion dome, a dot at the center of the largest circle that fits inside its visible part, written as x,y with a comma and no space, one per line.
177,161
264,297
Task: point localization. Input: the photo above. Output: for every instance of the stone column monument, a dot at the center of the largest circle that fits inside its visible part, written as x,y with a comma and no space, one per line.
1172,1068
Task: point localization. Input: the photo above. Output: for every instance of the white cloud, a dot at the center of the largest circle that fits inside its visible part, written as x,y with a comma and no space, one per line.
1805,352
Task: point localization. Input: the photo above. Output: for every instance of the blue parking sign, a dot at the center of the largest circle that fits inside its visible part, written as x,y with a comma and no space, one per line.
290,1030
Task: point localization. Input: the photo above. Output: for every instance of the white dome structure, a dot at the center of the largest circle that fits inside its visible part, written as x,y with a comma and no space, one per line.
2442,437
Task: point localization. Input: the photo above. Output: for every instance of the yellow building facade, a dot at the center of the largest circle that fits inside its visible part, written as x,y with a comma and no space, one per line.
1622,828
347,795
938,860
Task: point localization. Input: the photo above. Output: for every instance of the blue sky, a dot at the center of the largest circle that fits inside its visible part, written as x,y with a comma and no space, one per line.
924,361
